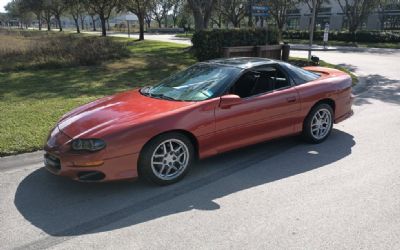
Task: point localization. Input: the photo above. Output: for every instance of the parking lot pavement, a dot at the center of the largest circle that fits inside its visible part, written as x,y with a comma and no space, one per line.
341,194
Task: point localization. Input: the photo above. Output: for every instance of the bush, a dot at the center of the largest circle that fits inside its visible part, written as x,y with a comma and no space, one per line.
208,44
345,36
41,50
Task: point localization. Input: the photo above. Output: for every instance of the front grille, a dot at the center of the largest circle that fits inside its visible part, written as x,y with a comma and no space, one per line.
52,162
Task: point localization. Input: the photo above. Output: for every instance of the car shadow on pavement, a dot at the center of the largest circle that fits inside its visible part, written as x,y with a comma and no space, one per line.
61,207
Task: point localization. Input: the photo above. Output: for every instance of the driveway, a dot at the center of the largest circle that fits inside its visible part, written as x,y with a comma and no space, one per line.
341,194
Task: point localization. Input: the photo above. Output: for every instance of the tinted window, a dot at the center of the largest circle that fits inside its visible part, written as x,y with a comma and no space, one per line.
196,83
300,75
260,80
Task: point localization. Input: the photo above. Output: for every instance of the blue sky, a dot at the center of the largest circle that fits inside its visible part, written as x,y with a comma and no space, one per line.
2,4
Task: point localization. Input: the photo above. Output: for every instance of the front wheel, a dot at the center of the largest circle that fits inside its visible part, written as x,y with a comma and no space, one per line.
167,158
318,124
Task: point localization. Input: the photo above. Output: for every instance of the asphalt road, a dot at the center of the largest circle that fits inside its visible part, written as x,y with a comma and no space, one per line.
341,194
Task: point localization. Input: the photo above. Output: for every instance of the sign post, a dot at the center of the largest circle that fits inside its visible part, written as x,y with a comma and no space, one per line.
129,17
326,35
260,9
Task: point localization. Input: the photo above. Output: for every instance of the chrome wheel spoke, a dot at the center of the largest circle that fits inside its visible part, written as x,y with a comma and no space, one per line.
321,124
170,159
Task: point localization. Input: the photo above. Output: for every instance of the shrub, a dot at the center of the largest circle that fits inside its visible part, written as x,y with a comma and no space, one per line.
23,50
360,36
208,44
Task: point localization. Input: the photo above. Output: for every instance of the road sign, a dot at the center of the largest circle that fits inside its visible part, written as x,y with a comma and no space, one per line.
265,8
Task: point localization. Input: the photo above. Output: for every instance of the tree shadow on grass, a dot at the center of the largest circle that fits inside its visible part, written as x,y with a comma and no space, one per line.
61,207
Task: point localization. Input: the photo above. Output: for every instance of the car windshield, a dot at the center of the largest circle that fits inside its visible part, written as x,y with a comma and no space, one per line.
196,83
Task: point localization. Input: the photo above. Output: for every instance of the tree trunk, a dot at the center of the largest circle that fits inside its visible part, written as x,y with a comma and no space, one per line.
108,25
59,22
198,20
82,22
159,23
77,25
141,27
103,26
94,23
39,17
166,21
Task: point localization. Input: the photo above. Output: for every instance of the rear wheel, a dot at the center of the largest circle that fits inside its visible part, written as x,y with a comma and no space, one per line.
318,124
167,158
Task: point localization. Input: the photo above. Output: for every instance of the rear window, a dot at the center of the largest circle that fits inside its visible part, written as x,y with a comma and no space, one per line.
300,75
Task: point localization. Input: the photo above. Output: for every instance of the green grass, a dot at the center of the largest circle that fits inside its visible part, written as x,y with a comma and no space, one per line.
342,43
31,101
302,62
185,35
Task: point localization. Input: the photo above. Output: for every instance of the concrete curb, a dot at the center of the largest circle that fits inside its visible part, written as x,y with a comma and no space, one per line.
15,161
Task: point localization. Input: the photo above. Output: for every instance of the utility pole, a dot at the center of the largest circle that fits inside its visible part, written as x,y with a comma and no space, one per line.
312,28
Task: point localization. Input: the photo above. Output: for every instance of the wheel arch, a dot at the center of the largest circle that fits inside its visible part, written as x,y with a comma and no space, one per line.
189,135
328,101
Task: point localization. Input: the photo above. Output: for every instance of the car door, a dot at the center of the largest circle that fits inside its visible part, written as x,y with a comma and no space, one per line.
266,111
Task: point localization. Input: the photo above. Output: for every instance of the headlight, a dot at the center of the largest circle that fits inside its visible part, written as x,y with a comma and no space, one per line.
88,144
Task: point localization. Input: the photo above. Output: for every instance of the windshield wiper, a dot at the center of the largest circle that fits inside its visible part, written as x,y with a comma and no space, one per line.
162,96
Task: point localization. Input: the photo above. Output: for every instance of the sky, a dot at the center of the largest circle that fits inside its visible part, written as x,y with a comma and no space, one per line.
2,4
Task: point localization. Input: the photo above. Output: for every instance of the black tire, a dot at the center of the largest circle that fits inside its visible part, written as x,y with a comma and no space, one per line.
145,159
307,131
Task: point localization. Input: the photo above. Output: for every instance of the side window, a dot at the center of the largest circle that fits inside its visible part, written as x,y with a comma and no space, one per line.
245,85
262,80
281,81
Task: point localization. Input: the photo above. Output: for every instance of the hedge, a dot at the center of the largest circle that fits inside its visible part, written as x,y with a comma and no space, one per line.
360,36
208,44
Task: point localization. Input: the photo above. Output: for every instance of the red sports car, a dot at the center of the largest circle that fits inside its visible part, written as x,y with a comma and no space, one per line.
209,108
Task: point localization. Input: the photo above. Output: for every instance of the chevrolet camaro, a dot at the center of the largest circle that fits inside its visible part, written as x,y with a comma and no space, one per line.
211,107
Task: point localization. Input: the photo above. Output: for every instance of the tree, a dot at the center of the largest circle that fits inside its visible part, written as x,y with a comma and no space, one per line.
356,11
202,10
177,5
103,8
160,9
233,10
278,9
57,8
139,8
76,8
36,7
17,11
309,3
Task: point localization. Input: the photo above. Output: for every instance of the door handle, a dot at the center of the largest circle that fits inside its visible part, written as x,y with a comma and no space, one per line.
291,99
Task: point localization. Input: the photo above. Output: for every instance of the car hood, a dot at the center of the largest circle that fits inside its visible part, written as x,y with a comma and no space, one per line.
114,112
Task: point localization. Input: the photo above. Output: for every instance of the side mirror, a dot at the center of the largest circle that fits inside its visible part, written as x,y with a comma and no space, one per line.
229,100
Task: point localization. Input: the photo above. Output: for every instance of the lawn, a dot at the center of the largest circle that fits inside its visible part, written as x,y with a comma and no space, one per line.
35,94
32,100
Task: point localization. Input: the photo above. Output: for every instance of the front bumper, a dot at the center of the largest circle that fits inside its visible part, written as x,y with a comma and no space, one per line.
118,168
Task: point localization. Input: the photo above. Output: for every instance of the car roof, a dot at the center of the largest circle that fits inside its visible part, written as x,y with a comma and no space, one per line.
243,62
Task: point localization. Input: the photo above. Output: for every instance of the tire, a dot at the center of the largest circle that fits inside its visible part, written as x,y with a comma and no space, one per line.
318,123
163,166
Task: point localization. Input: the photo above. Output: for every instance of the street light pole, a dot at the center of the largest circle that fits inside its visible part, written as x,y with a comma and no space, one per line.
312,28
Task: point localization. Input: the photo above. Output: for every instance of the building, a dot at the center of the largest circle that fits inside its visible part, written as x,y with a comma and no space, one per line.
332,14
